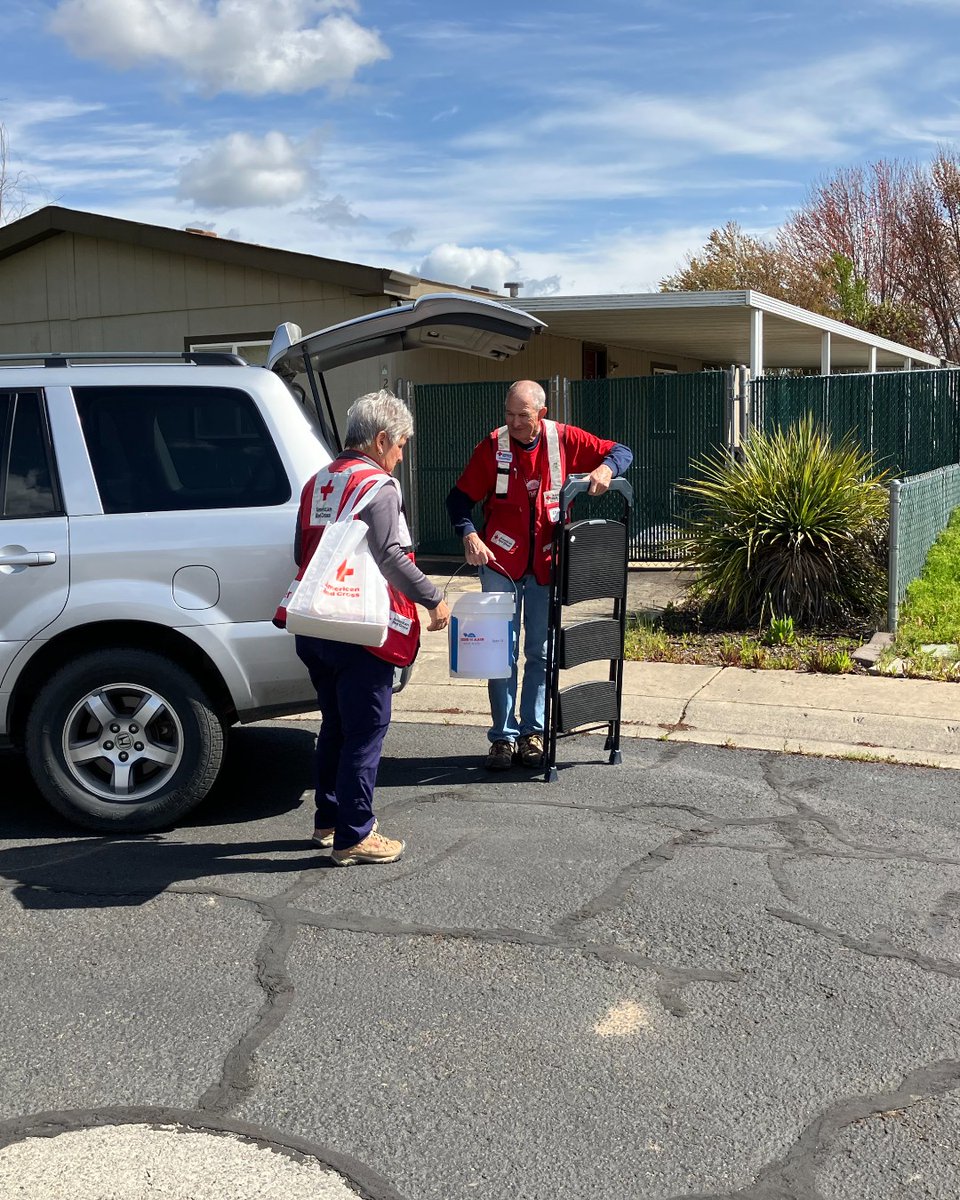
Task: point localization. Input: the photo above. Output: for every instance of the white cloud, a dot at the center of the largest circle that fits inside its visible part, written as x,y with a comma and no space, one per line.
542,287
816,110
246,172
248,46
333,212
625,261
402,238
468,266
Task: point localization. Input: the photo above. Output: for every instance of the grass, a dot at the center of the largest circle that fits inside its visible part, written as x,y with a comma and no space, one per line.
930,612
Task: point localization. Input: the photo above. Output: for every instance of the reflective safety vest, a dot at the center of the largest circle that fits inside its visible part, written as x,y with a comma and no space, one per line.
518,525
330,492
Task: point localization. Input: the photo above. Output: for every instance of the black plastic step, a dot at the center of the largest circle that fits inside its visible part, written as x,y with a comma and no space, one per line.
589,641
586,704
594,554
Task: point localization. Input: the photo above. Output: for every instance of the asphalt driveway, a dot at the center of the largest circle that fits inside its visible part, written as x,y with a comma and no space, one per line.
702,973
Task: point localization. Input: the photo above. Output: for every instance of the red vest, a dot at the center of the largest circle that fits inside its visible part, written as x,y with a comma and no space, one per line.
513,512
322,501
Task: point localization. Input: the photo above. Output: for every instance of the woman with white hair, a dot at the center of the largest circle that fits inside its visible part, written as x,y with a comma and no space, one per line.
355,683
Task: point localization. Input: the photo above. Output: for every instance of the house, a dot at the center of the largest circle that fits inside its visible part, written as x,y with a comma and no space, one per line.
76,281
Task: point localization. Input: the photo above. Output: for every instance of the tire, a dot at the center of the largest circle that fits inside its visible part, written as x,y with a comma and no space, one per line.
123,740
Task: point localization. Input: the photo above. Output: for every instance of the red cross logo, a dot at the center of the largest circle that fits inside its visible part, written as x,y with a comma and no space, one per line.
343,572
326,490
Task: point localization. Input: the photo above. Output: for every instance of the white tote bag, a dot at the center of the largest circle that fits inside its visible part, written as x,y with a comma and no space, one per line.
343,595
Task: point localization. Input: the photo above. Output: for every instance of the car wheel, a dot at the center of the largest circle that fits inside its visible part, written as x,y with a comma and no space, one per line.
125,740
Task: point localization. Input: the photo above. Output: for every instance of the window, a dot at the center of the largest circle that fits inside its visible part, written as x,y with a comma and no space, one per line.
162,449
27,486
594,362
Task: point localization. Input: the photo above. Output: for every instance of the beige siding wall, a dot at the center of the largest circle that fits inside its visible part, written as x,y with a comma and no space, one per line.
77,293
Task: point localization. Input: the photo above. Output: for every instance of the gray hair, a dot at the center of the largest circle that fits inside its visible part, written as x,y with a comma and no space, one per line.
375,412
528,392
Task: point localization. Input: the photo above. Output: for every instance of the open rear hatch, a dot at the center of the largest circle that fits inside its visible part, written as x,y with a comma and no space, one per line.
445,320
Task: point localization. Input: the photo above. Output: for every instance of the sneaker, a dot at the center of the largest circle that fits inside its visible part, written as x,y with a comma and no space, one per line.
375,848
500,756
530,750
324,837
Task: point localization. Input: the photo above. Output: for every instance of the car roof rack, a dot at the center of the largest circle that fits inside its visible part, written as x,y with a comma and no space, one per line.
199,358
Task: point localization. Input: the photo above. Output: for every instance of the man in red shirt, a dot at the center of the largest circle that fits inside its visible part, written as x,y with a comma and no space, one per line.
516,473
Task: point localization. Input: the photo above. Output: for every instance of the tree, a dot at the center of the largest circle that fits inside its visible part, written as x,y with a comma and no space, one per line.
930,246
901,322
732,260
857,213
14,185
877,247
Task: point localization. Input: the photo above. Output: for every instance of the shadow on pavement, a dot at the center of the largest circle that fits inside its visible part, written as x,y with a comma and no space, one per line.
267,772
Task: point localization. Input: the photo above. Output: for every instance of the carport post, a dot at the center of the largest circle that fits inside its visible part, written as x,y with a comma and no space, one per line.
872,360
756,343
825,352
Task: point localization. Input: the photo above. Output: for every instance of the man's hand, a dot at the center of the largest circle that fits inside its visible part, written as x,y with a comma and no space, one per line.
477,552
599,480
439,616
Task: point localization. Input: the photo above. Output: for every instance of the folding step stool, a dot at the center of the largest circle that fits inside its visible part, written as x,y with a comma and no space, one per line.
589,563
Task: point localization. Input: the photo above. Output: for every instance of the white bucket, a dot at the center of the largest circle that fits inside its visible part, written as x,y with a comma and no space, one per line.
481,635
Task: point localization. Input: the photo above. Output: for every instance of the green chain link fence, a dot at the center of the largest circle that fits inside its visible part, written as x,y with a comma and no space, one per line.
920,508
908,420
668,421
449,420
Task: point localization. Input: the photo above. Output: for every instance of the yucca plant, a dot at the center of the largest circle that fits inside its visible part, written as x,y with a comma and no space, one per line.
795,528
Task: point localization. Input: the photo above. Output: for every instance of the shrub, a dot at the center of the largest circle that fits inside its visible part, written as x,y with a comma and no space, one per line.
796,526
780,632
830,662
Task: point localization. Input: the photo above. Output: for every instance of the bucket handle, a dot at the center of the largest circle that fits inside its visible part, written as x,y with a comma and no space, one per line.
516,594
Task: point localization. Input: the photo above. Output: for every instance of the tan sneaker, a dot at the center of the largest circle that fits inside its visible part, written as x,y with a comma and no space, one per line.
375,848
500,756
324,837
530,750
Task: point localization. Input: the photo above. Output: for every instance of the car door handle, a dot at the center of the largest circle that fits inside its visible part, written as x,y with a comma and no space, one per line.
29,558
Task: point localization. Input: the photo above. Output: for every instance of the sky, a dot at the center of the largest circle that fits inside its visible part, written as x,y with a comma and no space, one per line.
577,148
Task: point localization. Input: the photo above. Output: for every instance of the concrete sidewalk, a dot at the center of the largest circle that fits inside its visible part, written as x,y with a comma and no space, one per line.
851,716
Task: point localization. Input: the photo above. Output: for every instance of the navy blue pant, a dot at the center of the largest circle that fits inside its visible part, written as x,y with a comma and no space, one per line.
355,694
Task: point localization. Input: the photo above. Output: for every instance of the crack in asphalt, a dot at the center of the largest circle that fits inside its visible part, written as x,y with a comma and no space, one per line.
618,891
793,1177
284,918
876,947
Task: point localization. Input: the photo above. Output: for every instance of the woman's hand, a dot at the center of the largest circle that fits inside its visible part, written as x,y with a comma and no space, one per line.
439,616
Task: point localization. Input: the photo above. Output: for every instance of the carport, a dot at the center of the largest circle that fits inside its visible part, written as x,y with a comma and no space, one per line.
742,327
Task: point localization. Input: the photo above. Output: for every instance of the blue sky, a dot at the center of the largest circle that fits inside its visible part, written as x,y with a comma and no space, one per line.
578,147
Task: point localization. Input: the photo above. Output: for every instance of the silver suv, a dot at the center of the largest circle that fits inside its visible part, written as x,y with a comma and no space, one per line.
147,509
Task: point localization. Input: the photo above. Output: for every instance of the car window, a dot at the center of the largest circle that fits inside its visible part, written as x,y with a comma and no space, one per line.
26,480
158,449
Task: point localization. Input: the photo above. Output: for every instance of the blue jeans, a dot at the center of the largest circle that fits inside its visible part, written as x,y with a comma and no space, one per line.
533,600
